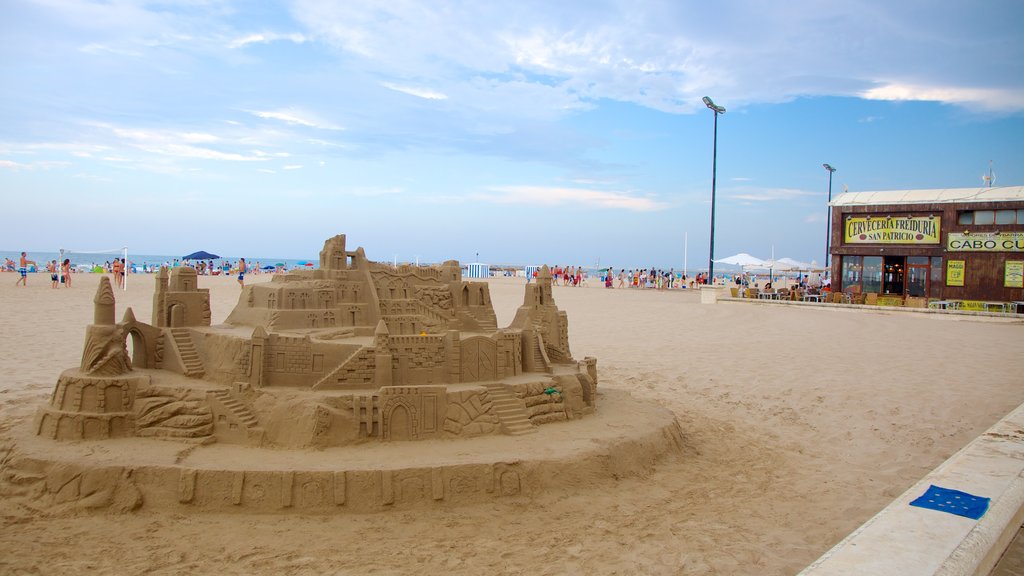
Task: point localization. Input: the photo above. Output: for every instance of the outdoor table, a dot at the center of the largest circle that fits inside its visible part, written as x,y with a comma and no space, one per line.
995,306
812,297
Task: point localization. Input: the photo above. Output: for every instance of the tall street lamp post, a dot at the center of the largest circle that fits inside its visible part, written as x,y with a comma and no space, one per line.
714,172
828,214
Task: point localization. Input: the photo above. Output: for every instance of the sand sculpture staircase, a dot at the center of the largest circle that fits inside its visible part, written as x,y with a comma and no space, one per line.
484,317
338,375
540,354
241,413
511,410
488,324
190,361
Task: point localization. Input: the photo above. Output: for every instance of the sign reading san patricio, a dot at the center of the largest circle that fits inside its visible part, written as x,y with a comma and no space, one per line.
892,230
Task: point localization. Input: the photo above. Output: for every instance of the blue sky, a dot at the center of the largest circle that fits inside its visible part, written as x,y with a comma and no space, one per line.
527,132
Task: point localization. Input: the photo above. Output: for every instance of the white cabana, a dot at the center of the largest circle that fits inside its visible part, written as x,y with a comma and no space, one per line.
477,270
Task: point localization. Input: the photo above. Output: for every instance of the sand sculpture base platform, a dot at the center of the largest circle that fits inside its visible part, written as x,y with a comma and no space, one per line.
624,437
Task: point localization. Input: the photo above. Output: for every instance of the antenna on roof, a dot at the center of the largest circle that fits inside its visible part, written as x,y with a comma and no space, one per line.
845,188
989,178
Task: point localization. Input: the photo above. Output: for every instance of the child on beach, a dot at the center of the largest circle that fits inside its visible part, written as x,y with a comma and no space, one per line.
241,272
51,267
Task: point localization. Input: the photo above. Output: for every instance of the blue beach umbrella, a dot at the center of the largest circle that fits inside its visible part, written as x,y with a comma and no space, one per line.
201,255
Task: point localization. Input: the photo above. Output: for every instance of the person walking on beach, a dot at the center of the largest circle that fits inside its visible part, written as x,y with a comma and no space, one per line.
65,270
241,272
23,263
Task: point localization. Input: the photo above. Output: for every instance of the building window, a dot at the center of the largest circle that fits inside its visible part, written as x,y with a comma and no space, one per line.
872,274
853,267
986,217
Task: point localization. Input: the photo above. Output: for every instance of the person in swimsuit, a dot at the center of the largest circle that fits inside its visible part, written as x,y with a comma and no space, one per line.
241,272
23,263
65,270
52,269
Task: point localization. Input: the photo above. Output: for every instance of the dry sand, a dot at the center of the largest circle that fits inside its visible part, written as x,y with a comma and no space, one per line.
799,423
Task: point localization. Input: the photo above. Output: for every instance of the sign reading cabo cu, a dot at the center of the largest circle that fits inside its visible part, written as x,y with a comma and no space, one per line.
984,242
892,230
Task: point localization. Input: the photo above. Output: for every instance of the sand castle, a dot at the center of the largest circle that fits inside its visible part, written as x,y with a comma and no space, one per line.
357,386
351,352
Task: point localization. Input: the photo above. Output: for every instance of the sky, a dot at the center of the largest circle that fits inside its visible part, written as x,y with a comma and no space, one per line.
523,132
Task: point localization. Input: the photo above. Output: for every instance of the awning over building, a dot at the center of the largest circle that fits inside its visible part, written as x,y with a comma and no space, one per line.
934,196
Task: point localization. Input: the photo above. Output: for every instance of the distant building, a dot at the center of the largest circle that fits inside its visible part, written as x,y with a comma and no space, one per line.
962,244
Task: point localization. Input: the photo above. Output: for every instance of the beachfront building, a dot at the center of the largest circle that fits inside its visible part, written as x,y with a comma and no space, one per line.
947,244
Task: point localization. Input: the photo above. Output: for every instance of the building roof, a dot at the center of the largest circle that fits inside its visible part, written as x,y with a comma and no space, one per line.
934,196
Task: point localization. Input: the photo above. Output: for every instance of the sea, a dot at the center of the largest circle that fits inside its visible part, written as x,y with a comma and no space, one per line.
143,263
150,263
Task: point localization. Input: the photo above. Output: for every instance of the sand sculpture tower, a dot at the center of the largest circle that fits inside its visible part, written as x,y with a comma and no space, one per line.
95,400
105,352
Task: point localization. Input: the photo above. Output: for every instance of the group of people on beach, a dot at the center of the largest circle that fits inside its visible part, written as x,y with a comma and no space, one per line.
658,279
655,278
60,273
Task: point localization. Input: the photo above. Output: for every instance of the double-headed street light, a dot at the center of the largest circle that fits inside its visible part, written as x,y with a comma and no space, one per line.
714,171
828,213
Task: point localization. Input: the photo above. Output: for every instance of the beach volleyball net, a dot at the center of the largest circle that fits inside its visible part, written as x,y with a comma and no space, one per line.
97,261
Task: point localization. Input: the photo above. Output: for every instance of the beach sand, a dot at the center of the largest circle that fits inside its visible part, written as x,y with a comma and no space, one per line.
799,423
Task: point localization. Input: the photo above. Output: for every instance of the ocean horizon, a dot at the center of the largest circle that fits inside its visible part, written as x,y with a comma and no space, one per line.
84,261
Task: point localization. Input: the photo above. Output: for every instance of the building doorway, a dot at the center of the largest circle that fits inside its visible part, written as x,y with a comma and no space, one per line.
918,271
893,279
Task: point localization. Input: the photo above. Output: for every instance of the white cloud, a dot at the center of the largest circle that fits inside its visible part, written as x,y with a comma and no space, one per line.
666,55
554,196
750,194
292,167
175,144
293,116
96,49
987,98
266,38
424,93
35,165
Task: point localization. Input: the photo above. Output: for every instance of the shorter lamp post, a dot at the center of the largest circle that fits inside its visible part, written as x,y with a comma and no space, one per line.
828,213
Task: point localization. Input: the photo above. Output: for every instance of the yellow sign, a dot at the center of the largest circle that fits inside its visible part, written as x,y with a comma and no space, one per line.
955,270
985,242
1014,277
892,230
